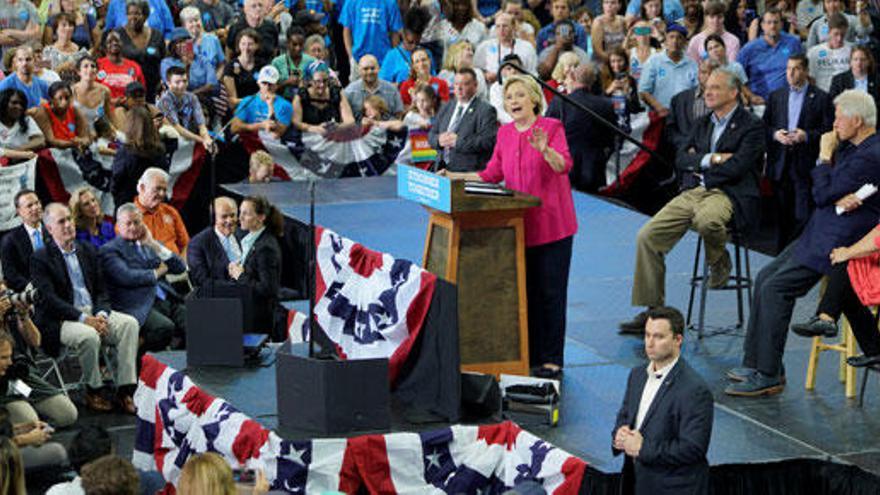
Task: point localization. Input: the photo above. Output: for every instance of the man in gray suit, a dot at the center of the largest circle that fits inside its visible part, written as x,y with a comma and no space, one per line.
466,127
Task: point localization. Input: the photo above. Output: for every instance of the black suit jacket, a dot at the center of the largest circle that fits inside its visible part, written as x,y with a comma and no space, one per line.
676,431
206,258
680,120
476,131
589,141
845,80
738,176
56,302
262,273
15,254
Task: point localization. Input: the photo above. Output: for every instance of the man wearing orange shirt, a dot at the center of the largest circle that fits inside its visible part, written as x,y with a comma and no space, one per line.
162,219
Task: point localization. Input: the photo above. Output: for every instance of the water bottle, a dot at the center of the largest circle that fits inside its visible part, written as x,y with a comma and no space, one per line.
618,100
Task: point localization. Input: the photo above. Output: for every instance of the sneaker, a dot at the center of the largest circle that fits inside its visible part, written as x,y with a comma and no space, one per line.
636,326
740,374
719,272
755,385
815,327
863,361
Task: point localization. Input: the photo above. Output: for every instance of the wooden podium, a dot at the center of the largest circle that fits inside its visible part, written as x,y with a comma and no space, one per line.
478,243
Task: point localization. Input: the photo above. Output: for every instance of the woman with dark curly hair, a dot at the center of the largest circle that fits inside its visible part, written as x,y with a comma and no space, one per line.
19,134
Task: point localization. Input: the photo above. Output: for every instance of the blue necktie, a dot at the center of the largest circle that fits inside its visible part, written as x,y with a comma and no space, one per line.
230,253
38,239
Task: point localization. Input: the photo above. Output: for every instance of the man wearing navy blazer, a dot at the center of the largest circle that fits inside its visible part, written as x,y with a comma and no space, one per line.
796,116
466,127
21,242
665,422
134,265
211,250
849,158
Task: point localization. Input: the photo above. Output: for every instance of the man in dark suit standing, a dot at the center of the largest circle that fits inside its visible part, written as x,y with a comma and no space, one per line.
719,165
688,106
665,422
466,127
589,141
134,267
796,117
21,242
849,158
74,310
211,250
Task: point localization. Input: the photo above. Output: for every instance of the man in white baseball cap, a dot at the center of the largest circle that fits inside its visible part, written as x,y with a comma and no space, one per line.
264,112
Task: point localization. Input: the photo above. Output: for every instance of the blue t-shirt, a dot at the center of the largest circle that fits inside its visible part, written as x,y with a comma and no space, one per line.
160,16
662,78
371,22
395,66
672,9
252,110
210,50
35,92
200,72
547,36
765,64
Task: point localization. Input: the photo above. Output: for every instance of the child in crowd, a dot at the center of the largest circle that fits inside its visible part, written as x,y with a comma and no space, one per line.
420,118
261,168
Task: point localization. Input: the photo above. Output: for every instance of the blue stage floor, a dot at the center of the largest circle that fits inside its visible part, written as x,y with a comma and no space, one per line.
795,424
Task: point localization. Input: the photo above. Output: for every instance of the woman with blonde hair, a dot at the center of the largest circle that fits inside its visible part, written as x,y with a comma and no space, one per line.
459,56
210,474
11,469
91,224
563,73
531,156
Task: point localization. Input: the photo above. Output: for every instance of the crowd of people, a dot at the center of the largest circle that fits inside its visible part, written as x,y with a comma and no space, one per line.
747,91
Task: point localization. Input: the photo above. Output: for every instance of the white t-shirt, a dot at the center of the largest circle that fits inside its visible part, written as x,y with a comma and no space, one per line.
825,63
11,137
488,55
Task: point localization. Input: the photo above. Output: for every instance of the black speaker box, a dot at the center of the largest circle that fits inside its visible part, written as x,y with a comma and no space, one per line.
331,398
214,332
480,396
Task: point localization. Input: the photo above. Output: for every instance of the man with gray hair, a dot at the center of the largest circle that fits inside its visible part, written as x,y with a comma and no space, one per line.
840,172
589,140
719,166
162,219
74,310
134,267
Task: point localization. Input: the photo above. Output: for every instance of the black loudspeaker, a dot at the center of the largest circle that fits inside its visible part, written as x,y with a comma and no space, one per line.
329,397
480,396
214,332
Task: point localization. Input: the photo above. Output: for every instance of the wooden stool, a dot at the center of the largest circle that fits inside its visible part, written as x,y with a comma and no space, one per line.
869,369
846,346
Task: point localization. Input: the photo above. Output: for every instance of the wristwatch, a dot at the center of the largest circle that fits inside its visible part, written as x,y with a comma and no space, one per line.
716,159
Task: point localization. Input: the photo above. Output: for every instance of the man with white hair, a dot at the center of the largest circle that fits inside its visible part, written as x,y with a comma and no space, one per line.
162,219
74,310
838,175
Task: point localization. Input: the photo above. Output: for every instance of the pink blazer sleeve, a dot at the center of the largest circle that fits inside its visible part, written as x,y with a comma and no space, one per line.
558,143
493,171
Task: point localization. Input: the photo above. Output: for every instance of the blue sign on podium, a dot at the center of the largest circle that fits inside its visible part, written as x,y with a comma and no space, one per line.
424,187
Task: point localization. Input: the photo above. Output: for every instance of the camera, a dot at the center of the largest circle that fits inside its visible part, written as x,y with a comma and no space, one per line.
28,296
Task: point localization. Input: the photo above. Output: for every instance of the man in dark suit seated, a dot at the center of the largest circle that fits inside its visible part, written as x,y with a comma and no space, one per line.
589,141
134,267
688,106
466,127
849,158
796,116
74,310
719,166
665,422
211,250
21,242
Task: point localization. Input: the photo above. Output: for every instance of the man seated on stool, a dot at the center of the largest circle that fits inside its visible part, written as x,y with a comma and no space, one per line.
665,422
74,310
134,266
842,169
212,250
719,164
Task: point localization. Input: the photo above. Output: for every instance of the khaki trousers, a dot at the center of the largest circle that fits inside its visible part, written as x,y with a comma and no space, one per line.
708,212
85,340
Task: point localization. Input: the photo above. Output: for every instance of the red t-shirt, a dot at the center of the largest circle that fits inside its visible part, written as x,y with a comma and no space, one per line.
117,77
440,87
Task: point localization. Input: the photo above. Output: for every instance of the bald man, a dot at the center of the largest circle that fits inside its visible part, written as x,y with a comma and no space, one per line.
369,84
211,250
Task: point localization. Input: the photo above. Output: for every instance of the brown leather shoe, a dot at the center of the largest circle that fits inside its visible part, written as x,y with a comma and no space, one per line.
97,403
126,404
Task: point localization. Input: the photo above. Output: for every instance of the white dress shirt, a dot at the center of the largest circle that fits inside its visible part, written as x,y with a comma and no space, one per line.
652,386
